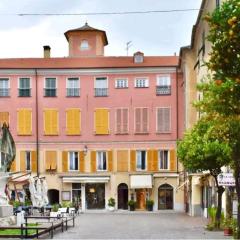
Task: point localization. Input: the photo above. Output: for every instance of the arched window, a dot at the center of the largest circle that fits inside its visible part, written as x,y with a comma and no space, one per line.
84,45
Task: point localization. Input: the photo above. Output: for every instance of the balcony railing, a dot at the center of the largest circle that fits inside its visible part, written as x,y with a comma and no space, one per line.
101,92
4,92
73,92
50,92
163,90
24,92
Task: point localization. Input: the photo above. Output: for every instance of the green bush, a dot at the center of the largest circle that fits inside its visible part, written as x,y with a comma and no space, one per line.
111,202
55,207
131,203
149,203
66,204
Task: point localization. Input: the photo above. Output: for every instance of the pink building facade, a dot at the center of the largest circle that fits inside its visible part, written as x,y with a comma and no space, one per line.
97,127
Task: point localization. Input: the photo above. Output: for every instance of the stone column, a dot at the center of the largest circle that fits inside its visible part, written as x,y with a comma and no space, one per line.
83,196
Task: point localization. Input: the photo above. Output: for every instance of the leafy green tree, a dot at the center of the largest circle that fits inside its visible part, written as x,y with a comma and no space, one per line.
222,91
201,150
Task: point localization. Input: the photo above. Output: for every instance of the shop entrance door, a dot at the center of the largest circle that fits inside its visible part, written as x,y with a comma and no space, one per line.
95,195
165,197
122,196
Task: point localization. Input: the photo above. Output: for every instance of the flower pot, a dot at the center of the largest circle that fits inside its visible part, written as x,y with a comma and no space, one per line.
150,208
228,232
111,209
132,208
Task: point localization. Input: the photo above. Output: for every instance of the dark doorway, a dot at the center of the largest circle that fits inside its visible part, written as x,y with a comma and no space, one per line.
165,197
95,195
53,196
122,196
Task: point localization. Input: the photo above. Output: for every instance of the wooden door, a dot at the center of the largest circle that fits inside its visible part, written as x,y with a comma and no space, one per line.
141,199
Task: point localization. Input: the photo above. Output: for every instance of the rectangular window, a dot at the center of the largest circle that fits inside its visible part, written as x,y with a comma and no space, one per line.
24,121
141,120
73,121
121,83
50,122
101,121
101,161
28,160
24,87
217,3
122,120
163,85
163,156
73,161
141,83
73,87
163,120
50,87
4,118
101,87
4,87
141,160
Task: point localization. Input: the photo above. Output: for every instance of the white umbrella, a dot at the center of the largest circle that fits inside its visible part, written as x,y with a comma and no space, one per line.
39,193
33,191
44,192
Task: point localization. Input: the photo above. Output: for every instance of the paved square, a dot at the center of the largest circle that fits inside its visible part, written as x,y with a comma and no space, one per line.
138,225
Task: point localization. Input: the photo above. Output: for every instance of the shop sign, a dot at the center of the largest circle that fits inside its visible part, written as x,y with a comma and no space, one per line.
226,179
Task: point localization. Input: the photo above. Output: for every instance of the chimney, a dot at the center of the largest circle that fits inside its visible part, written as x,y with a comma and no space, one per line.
46,51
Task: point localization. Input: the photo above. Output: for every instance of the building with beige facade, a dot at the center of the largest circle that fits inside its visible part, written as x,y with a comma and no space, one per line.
201,188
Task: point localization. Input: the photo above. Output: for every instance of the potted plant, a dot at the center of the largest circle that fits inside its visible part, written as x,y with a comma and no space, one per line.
132,204
227,226
111,204
54,212
149,204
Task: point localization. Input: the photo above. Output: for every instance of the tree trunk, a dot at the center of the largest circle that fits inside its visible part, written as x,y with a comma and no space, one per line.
220,191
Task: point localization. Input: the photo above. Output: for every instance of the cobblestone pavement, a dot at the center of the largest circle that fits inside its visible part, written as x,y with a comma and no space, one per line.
138,225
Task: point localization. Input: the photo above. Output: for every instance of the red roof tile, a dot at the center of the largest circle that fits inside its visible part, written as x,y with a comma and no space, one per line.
87,62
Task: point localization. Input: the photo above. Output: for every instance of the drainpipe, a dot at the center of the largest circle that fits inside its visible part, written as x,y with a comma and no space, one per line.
36,109
177,108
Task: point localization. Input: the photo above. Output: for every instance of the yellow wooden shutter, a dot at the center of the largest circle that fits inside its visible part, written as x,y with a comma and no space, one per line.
172,160
122,161
4,118
22,161
82,162
24,125
133,160
102,121
93,161
73,120
110,161
34,161
64,161
51,160
155,165
50,122
13,166
150,160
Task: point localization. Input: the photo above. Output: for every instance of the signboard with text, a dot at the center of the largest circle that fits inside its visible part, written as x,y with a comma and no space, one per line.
226,179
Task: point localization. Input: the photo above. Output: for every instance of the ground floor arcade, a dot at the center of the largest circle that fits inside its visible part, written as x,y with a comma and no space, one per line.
93,191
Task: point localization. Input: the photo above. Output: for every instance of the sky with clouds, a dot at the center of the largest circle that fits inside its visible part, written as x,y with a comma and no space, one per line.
153,34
